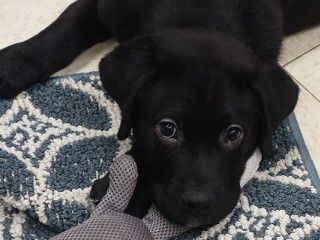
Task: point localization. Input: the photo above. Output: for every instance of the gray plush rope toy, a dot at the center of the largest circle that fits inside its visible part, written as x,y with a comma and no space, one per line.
108,220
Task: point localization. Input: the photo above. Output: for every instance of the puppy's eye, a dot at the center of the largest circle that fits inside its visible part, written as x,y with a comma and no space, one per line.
233,133
167,128
233,136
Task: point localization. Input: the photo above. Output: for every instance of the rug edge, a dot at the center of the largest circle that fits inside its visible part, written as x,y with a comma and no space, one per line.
304,152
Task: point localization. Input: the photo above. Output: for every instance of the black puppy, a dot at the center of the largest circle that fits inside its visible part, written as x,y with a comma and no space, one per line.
198,81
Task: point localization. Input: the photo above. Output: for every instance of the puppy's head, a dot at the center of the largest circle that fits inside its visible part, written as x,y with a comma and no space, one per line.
199,104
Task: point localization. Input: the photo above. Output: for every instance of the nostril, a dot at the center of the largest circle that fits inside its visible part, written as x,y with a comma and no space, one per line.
196,201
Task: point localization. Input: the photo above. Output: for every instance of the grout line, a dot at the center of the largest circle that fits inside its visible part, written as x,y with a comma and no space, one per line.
315,97
300,56
304,87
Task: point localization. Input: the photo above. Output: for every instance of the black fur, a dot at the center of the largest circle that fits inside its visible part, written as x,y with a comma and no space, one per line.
205,64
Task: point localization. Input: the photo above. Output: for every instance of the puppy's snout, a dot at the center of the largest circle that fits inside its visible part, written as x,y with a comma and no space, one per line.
196,201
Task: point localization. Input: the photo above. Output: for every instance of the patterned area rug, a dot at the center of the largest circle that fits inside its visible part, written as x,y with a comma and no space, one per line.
55,140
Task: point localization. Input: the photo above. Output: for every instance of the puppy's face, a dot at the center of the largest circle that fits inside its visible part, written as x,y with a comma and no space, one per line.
195,133
199,104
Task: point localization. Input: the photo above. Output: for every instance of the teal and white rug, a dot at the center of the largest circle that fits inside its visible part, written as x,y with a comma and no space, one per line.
55,140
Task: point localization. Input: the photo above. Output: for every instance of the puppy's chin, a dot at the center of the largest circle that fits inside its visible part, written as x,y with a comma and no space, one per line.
168,207
175,212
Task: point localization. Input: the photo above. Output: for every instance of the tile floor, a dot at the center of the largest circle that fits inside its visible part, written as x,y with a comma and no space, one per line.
301,57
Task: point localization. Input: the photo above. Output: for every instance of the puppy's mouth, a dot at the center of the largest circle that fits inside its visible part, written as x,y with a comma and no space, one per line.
170,206
174,210
180,218
193,223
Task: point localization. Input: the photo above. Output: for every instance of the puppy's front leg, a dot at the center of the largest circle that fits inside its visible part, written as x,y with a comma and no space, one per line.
140,202
99,189
33,61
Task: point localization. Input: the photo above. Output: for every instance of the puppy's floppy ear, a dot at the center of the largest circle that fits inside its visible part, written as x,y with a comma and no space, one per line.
123,73
278,95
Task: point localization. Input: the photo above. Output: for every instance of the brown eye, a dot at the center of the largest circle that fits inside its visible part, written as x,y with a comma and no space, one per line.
233,136
167,128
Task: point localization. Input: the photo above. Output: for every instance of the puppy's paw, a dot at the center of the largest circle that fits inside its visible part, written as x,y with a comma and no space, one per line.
99,189
18,71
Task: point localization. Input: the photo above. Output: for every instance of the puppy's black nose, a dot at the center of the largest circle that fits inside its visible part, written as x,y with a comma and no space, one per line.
196,201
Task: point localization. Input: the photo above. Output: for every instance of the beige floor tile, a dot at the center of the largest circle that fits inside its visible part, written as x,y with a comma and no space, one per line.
20,20
308,116
298,44
306,70
301,57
